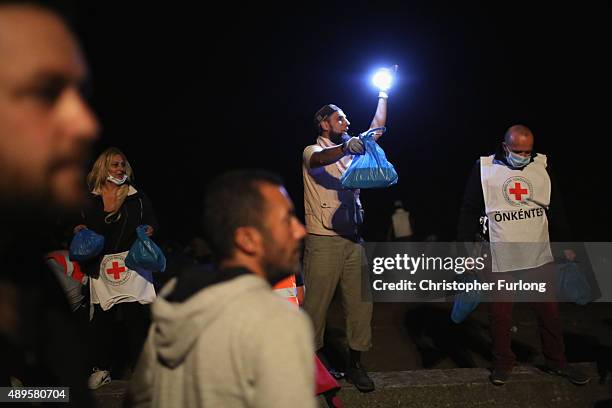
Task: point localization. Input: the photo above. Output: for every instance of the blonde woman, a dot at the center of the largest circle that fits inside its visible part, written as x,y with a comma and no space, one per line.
119,295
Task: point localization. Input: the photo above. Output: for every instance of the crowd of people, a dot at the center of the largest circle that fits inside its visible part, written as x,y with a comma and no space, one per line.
216,334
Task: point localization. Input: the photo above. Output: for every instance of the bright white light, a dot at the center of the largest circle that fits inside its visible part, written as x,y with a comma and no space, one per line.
383,79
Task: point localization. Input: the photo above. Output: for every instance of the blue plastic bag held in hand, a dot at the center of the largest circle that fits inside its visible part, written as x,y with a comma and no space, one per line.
371,169
572,285
85,245
465,302
145,254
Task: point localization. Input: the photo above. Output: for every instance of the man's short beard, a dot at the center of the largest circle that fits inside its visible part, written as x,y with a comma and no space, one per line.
275,274
338,138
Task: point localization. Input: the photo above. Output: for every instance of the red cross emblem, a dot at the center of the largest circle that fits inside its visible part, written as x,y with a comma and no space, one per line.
116,270
518,191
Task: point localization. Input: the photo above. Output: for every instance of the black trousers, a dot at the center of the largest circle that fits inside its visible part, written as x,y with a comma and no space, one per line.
118,335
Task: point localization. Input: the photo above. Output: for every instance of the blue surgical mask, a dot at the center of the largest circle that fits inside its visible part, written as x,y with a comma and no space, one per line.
516,160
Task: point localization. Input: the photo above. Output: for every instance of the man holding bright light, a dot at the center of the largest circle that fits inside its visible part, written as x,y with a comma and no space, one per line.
333,248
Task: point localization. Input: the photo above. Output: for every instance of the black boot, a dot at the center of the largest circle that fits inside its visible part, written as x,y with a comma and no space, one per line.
356,375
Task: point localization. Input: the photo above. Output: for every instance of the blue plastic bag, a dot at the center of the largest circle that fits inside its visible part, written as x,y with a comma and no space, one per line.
371,169
145,254
572,285
465,302
85,245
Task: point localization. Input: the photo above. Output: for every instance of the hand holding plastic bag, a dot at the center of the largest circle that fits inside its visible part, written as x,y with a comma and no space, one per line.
145,254
465,302
572,284
85,245
372,169
355,146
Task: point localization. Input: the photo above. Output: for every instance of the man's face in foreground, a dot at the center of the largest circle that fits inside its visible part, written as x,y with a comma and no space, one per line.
46,128
283,234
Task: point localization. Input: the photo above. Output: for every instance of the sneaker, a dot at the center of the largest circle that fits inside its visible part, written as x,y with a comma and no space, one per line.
499,376
98,378
574,375
357,376
338,375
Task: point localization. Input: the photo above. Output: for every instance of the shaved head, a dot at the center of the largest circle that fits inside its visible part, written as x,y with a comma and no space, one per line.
517,131
519,140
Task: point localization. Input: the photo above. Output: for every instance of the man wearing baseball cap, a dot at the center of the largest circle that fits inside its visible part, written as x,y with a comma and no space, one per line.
333,248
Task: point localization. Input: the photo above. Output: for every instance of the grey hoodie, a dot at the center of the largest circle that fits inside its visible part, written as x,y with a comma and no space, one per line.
231,344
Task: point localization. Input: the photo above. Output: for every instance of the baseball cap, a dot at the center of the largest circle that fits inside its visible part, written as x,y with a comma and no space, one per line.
324,112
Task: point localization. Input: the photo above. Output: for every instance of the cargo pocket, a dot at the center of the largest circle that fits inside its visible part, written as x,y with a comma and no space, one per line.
336,218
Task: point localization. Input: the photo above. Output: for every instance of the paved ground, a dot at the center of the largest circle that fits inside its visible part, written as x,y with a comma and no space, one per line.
452,388
420,358
411,336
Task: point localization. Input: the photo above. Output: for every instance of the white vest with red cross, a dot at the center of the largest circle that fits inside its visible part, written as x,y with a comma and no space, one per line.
515,203
117,283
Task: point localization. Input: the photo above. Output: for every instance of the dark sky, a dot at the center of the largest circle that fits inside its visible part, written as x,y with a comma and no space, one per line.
188,93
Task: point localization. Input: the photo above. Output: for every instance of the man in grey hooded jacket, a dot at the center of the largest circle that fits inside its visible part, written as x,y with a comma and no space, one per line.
222,338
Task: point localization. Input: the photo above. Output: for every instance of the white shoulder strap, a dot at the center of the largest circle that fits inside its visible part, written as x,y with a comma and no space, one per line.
540,158
486,160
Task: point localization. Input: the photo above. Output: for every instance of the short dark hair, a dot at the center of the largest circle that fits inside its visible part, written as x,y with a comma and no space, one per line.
234,200
323,114
66,9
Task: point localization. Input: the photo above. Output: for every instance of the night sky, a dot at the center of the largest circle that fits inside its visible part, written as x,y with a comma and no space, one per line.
188,93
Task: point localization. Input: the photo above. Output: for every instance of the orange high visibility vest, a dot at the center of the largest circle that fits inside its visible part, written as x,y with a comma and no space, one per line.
323,380
287,289
71,268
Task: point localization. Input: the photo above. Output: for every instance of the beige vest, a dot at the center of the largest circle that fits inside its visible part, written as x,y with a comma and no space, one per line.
329,209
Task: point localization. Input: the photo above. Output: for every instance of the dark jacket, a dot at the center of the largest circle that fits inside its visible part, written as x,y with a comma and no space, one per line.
47,346
119,231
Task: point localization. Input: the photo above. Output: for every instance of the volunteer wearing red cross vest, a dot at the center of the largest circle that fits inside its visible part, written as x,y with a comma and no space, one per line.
333,254
516,192
115,209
